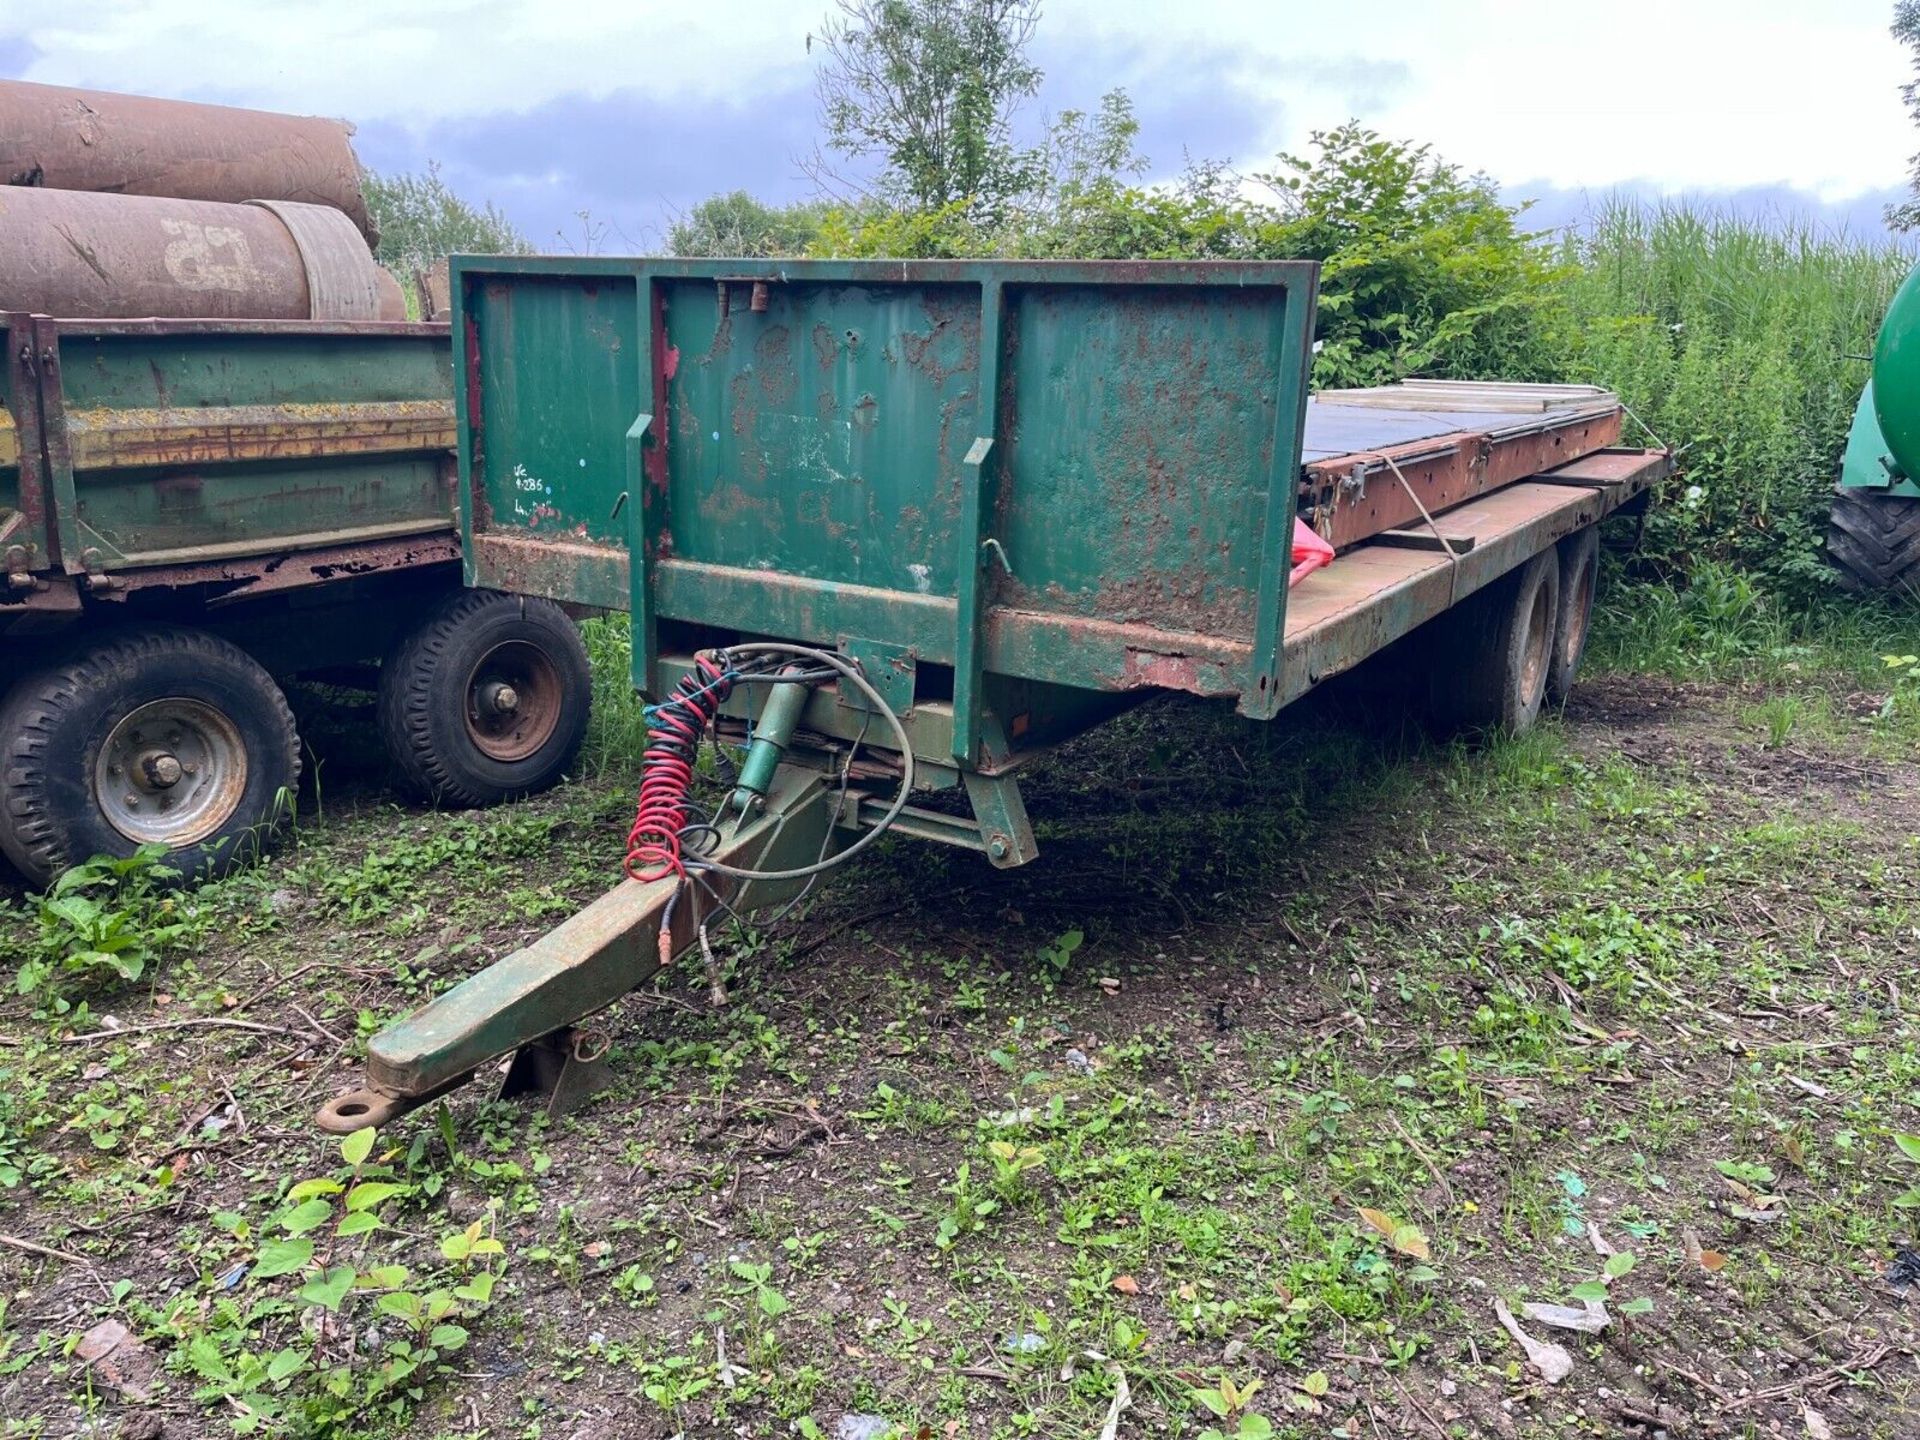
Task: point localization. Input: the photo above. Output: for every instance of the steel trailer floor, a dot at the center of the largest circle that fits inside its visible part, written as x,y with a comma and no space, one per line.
1336,428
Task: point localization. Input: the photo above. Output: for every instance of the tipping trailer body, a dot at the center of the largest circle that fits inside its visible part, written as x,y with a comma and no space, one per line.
1013,497
807,453
147,465
193,511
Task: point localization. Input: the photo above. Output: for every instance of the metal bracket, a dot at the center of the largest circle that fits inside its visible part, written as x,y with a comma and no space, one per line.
567,1067
890,669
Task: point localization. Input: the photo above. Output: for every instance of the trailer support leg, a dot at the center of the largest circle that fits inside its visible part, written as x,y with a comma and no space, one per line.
565,1068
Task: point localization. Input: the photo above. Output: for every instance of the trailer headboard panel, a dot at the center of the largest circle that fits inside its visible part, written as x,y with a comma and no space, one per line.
972,460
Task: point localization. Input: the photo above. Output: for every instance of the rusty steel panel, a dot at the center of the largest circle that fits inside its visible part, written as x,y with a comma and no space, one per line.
218,433
170,443
64,138
78,255
246,577
1375,593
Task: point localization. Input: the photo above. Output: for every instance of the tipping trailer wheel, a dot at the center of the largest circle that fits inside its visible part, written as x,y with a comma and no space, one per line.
487,700
1873,539
159,736
1579,578
1497,653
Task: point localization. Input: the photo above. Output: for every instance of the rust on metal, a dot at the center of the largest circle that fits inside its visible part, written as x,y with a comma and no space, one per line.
1347,498
1374,594
80,255
64,138
211,434
247,576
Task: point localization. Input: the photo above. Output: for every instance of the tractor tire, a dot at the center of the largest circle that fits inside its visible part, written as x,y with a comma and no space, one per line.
155,736
1874,540
1579,579
487,700
1495,651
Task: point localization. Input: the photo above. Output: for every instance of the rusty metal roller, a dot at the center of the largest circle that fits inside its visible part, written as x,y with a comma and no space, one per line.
66,139
74,254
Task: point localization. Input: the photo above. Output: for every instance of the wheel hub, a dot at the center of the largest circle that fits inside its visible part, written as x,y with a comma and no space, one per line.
498,698
514,699
158,770
171,772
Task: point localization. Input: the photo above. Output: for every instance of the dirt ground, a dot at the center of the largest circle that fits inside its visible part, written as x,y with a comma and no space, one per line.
1299,1049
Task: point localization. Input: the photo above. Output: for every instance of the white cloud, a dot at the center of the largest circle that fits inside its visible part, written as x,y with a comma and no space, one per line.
1679,93
412,62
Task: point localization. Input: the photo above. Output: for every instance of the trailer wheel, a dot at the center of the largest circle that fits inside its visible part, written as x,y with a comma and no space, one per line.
1493,667
487,700
1873,540
147,737
1579,579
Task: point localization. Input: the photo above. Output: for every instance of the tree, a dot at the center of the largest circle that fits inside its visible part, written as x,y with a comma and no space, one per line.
421,219
1424,270
1906,29
738,224
930,87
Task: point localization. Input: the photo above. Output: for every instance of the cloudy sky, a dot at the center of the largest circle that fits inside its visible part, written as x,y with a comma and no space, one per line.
632,110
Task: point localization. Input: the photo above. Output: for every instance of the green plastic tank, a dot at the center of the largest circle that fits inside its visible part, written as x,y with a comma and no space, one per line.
1873,522
1896,380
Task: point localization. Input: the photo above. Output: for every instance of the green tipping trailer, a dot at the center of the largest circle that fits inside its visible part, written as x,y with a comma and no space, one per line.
191,510
896,529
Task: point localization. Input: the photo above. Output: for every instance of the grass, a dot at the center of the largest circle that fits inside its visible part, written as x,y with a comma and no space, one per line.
1356,1033
1722,625
1740,342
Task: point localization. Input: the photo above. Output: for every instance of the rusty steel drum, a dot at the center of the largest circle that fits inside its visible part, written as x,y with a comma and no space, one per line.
79,255
59,138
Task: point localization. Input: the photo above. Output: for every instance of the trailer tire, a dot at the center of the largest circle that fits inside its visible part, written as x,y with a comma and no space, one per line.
487,700
1873,540
149,736
1494,661
1579,580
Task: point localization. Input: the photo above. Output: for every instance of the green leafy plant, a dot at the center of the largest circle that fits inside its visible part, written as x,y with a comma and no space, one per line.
327,1331
105,920
1905,674
1228,1402
967,1212
1909,1148
1599,1290
1058,954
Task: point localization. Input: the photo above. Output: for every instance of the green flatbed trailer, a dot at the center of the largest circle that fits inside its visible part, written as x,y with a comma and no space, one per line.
982,507
193,511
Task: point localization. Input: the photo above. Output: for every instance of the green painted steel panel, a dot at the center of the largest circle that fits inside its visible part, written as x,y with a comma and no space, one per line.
1138,454
1868,463
902,451
103,365
172,442
822,436
148,516
555,374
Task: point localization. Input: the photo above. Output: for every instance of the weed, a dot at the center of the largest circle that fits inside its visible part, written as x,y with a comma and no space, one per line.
328,1332
108,919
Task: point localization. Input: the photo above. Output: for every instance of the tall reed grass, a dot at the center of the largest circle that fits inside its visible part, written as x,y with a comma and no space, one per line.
1742,342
